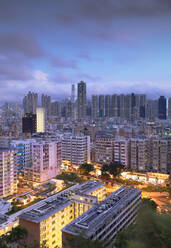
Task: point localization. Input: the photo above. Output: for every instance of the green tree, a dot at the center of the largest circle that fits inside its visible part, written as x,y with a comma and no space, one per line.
151,230
114,169
17,234
86,168
72,177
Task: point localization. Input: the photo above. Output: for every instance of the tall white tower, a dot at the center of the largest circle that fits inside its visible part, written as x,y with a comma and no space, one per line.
40,120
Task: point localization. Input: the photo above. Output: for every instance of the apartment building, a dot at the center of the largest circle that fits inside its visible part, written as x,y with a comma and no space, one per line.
160,155
8,180
23,153
104,149
75,149
103,221
150,155
139,154
46,161
45,221
121,151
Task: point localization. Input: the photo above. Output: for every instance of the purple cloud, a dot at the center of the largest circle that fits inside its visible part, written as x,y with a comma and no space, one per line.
86,76
20,42
58,61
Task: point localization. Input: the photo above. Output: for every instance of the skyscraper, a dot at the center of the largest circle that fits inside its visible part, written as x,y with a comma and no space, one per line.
40,123
169,108
162,108
30,103
152,109
81,100
114,106
73,102
107,105
143,106
46,104
121,105
94,106
29,123
101,106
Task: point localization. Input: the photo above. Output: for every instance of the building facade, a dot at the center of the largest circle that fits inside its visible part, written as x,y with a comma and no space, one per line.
8,179
75,149
45,221
81,100
46,161
103,221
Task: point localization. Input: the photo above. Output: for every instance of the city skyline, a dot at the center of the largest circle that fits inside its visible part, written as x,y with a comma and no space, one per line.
47,46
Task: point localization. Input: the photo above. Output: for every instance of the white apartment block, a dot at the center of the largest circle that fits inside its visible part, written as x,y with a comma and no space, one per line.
46,161
8,184
75,149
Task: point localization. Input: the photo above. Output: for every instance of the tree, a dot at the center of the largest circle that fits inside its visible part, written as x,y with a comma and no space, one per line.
86,168
17,234
114,169
151,230
70,177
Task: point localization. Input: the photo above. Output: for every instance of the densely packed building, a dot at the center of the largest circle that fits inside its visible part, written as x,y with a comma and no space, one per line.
103,221
47,218
75,149
8,173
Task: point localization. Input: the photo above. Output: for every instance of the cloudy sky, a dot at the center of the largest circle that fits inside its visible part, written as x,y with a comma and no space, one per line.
116,46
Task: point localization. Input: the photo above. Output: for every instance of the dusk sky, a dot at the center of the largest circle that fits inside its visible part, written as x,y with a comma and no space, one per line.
115,46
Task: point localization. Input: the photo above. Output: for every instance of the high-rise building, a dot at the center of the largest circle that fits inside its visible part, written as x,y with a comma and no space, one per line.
121,104
73,102
94,102
89,109
114,106
81,100
101,106
23,153
104,148
46,161
169,108
75,149
107,105
56,109
8,179
46,104
143,106
139,154
152,109
160,158
128,107
162,108
121,151
40,120
29,123
73,94
103,221
30,102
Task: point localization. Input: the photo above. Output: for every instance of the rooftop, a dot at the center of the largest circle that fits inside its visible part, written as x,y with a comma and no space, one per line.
97,216
47,207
